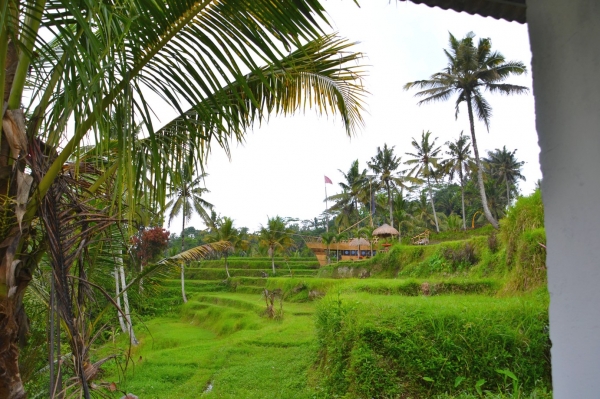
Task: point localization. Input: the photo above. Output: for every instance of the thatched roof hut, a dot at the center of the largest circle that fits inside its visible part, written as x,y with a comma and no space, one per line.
385,231
359,242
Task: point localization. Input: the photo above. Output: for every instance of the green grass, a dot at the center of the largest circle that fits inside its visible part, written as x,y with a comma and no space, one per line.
183,355
426,322
222,339
389,346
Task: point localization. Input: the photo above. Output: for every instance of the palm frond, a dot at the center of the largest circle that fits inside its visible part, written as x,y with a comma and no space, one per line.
506,88
197,253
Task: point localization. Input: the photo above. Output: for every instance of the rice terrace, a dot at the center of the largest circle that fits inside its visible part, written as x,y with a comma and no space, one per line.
141,259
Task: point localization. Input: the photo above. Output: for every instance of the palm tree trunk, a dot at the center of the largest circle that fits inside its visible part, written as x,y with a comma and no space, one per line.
462,198
118,296
507,195
486,209
437,227
272,253
226,267
132,338
390,205
183,249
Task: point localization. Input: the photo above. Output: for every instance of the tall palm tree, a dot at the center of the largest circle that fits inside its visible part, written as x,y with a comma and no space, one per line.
459,162
95,56
503,165
186,197
384,164
275,236
354,192
224,231
426,164
470,70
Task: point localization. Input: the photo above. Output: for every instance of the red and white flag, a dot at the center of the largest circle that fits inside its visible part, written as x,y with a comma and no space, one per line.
328,180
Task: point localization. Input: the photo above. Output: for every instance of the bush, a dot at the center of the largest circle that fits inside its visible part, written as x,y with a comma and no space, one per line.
526,214
530,269
417,347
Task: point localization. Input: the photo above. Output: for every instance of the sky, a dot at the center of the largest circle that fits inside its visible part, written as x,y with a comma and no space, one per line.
279,170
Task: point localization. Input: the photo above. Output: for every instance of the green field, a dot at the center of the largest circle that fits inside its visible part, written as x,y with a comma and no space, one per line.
464,317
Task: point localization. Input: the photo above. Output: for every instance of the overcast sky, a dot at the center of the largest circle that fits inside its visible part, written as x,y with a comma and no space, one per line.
279,170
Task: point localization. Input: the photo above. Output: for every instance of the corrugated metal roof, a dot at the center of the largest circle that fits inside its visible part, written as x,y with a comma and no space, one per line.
509,10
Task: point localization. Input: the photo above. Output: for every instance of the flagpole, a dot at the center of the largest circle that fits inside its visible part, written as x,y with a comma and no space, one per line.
326,207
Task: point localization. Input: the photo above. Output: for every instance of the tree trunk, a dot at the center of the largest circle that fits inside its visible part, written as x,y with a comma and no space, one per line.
118,296
56,385
507,195
486,209
437,227
182,249
226,267
272,254
390,205
12,282
462,197
11,386
132,338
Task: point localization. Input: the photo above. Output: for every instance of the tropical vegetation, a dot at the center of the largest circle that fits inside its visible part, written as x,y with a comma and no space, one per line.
68,68
472,69
87,180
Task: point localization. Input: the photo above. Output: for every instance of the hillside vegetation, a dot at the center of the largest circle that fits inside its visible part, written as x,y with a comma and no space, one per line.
464,317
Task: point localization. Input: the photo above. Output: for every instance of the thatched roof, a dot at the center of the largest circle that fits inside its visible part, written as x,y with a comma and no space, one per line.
385,231
358,242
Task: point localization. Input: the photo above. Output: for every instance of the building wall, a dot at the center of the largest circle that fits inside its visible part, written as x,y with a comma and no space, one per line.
565,42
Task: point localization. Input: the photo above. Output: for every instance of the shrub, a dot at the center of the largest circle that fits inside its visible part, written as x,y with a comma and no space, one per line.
493,243
526,214
530,269
461,257
417,346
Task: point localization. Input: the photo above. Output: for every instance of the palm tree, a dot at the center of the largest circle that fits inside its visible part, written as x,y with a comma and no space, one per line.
471,69
385,164
459,162
96,56
186,197
327,238
224,231
504,166
426,160
354,192
275,236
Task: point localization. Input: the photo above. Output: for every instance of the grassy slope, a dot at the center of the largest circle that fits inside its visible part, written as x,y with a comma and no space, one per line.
222,341
219,339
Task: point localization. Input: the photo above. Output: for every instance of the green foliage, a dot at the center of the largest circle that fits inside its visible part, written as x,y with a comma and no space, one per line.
525,240
529,271
454,222
526,214
381,348
462,235
250,263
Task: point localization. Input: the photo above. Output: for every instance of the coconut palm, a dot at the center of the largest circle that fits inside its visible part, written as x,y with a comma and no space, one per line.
224,231
385,163
275,236
354,192
459,162
470,70
96,56
328,238
186,197
503,165
426,164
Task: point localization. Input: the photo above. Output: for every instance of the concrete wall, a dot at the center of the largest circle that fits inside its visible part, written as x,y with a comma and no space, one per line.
565,42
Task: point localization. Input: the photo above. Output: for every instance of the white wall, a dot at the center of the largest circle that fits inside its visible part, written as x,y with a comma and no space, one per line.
565,42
